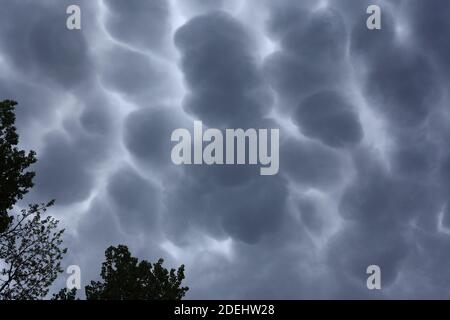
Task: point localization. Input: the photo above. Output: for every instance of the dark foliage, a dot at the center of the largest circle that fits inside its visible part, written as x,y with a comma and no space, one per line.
30,241
125,278
15,180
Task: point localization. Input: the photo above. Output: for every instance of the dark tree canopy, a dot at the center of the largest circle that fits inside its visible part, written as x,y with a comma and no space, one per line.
65,294
125,278
30,241
15,180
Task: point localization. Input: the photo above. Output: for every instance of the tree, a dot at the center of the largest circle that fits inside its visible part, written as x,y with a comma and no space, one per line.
31,254
30,242
125,278
65,294
14,179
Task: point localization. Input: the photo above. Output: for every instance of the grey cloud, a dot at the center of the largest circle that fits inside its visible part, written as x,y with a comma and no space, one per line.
431,32
68,161
431,278
379,209
62,172
196,7
444,173
27,94
376,196
137,200
327,116
400,81
148,132
365,44
294,78
143,24
320,39
284,16
313,50
220,68
385,246
63,55
221,210
96,118
415,158
403,86
45,49
226,89
100,109
311,164
134,74
248,219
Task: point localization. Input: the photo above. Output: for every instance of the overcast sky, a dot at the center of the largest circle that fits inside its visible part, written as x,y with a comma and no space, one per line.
364,125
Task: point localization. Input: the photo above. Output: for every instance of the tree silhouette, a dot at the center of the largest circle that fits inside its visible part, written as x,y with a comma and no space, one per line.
125,278
65,294
30,244
30,250
14,179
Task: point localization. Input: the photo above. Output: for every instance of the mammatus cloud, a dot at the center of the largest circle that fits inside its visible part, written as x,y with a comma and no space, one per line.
364,127
328,117
219,63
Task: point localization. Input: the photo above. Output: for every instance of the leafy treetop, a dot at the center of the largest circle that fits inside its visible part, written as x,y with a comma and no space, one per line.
125,278
15,180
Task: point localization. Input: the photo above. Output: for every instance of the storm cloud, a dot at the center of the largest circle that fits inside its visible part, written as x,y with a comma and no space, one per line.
364,124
